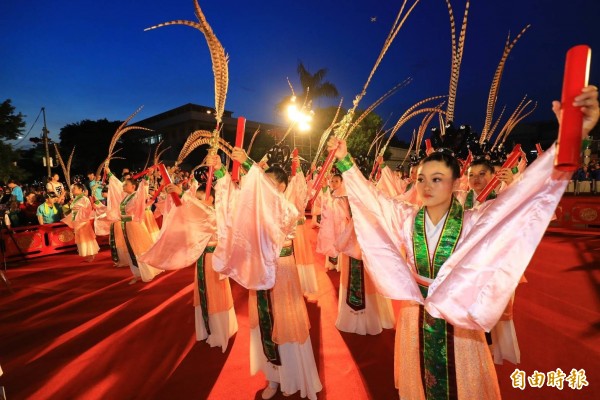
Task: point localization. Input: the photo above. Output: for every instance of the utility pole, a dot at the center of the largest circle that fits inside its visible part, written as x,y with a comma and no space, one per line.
45,139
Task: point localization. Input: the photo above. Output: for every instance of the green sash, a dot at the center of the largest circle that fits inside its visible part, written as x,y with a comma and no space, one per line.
124,219
113,245
355,294
265,318
470,199
436,336
202,286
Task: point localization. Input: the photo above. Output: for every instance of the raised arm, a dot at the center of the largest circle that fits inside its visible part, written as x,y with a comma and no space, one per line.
474,285
381,225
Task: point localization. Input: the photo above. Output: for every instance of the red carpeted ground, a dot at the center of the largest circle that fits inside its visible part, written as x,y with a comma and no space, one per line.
73,330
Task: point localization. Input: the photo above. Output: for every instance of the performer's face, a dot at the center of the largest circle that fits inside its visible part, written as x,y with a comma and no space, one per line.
413,173
435,184
76,190
335,183
128,187
479,176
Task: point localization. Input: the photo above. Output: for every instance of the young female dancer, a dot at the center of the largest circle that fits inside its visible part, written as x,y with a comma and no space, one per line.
255,227
461,267
126,204
81,213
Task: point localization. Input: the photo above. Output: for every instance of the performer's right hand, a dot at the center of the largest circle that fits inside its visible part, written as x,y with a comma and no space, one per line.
213,161
339,146
238,154
587,101
173,188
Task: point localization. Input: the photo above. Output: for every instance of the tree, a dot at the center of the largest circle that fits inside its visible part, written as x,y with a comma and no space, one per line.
313,87
11,125
91,139
359,140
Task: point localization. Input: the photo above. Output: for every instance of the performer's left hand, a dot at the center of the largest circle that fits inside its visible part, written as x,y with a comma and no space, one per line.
238,154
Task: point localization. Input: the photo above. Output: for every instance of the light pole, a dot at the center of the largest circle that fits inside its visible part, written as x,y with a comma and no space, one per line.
45,139
300,118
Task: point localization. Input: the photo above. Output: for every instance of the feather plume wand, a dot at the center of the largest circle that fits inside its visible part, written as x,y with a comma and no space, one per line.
457,54
493,95
121,130
342,129
220,70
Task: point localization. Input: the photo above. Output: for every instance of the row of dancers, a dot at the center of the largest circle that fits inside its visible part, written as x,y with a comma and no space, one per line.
452,263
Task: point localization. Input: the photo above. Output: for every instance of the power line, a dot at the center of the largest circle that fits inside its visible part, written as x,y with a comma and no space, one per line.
28,132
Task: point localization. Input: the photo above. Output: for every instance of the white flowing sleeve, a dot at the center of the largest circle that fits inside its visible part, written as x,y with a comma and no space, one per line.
115,196
137,206
326,235
387,183
186,230
248,250
500,236
379,222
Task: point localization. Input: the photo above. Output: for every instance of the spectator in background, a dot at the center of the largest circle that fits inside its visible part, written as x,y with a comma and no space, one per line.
13,217
54,186
94,185
595,171
582,174
16,191
47,212
29,209
4,195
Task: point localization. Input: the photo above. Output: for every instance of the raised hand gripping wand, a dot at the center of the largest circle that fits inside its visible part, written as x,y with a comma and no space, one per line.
510,162
577,71
166,180
239,142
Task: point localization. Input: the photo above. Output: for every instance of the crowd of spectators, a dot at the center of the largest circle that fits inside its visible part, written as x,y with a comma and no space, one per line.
44,203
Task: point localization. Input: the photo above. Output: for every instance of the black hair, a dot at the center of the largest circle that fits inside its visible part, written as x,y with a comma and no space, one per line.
202,188
487,164
132,181
279,174
50,195
80,186
338,176
449,160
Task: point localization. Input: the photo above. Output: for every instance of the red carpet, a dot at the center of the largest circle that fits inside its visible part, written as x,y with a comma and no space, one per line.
73,330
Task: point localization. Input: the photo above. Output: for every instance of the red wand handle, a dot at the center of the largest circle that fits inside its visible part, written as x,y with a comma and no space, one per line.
239,142
468,162
577,71
326,165
167,180
428,147
510,162
294,162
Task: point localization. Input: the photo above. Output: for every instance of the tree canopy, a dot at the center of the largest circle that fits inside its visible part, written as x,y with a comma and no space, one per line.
11,124
314,86
11,127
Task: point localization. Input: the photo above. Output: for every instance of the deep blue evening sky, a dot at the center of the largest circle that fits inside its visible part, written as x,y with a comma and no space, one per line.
91,59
